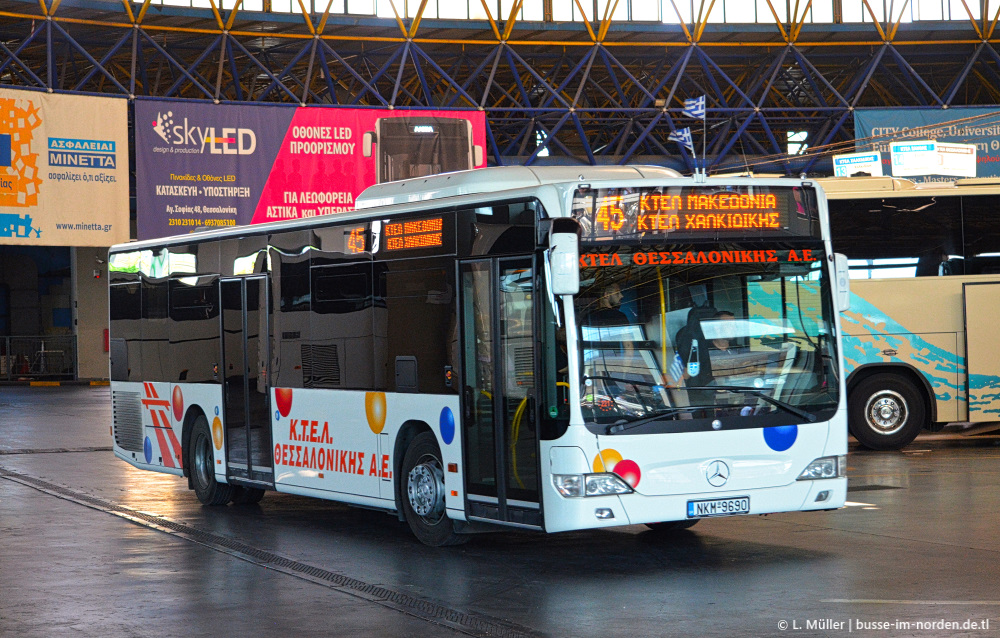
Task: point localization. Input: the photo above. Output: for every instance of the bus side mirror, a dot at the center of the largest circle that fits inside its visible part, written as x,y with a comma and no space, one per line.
478,156
843,282
367,142
564,257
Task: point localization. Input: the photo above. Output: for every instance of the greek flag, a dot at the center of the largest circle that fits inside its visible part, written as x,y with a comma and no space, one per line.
676,371
682,136
695,107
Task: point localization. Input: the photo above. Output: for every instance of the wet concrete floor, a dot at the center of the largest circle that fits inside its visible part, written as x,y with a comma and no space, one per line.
90,546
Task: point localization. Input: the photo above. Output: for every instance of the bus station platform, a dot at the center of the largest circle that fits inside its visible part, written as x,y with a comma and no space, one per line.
94,547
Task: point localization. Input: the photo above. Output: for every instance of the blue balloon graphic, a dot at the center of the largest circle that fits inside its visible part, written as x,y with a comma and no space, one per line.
147,449
447,426
781,437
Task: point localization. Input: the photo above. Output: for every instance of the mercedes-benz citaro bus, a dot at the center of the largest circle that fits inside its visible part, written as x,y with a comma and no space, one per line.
538,348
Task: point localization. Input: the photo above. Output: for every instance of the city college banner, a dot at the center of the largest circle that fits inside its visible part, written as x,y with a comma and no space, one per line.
202,165
875,129
63,169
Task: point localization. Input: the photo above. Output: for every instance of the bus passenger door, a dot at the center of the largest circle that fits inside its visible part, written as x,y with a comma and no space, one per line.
245,319
500,435
982,306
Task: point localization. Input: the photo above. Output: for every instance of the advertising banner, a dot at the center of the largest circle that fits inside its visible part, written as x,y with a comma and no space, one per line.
875,129
930,157
204,165
63,169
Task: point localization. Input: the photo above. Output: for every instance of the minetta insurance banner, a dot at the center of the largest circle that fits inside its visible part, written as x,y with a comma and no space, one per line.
201,165
63,169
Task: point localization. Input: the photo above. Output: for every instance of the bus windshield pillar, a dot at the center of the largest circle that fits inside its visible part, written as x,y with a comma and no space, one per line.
573,360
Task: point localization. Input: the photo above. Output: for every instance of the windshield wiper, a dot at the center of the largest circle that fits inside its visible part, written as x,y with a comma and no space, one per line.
784,405
615,428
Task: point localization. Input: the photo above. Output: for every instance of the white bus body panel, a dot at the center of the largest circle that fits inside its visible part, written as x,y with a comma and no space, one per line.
164,407
340,444
672,471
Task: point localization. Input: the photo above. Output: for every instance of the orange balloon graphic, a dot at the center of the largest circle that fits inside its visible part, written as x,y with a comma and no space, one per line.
217,433
606,460
375,410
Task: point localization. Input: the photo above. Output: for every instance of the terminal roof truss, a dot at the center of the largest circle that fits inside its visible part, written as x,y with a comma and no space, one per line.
591,92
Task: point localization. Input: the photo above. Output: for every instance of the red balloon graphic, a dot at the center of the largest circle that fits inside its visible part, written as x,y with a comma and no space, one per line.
283,397
629,471
178,401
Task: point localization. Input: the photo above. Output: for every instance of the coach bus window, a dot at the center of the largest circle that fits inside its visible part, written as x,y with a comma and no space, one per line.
125,312
982,235
155,336
507,228
420,321
290,294
897,237
338,353
194,329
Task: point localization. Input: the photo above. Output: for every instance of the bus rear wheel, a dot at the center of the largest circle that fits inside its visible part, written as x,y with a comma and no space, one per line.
672,526
208,490
422,490
886,412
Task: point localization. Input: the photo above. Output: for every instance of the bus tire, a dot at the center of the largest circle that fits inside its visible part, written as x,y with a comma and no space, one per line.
243,495
422,489
673,526
885,412
208,490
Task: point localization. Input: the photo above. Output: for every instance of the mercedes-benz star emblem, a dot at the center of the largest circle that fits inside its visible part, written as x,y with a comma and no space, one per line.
717,473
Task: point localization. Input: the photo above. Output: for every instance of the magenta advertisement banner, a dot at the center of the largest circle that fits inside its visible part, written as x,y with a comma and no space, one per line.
202,165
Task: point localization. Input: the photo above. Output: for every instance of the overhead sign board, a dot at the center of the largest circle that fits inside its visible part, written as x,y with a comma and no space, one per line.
63,169
850,164
930,157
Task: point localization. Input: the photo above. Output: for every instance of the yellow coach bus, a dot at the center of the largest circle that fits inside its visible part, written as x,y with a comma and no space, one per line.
920,338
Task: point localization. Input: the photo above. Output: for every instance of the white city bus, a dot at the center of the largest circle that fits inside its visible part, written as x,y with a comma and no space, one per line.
413,356
920,339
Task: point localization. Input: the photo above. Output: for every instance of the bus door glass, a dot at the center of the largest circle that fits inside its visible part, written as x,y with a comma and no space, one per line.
982,303
245,314
498,390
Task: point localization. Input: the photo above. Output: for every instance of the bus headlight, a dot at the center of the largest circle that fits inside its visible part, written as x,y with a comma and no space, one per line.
827,467
603,484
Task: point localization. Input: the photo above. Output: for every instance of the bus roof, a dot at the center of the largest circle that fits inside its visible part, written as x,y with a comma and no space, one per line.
497,179
881,187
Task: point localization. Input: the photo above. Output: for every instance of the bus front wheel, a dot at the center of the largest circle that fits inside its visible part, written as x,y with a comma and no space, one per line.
886,412
208,490
423,490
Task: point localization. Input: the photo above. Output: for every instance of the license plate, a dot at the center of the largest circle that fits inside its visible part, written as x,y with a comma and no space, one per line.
719,507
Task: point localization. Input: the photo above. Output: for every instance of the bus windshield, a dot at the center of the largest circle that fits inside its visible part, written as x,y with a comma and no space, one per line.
739,334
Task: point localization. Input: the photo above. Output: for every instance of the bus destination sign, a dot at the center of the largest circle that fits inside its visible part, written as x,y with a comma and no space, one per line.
630,213
415,233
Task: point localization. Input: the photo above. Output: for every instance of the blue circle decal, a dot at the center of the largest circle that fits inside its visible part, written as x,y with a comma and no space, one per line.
781,437
447,426
147,449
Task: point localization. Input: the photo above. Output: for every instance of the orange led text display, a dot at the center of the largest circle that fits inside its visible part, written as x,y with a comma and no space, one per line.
419,233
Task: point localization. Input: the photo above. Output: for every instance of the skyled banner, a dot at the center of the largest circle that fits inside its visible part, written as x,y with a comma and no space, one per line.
202,165
63,169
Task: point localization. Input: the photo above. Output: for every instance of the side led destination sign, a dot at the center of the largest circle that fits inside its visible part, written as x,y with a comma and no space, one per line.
701,211
417,233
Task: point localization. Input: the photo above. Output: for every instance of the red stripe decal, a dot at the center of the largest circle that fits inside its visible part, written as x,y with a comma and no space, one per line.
168,459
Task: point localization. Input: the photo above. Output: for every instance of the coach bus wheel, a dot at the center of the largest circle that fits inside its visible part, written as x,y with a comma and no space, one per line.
885,412
208,490
423,490
672,526
247,495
